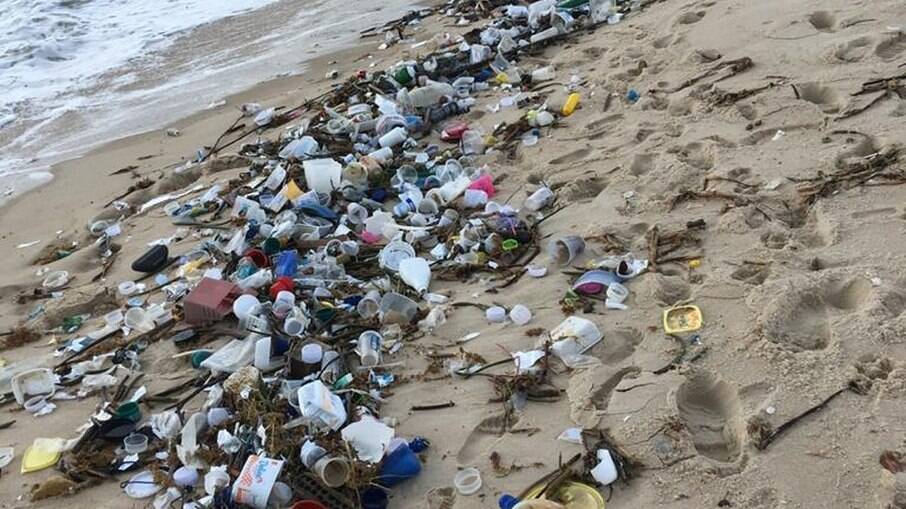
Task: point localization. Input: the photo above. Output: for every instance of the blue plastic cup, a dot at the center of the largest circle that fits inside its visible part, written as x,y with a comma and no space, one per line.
400,465
374,498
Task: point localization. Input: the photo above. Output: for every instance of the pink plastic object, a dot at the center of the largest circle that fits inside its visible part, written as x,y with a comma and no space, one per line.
210,301
484,183
370,238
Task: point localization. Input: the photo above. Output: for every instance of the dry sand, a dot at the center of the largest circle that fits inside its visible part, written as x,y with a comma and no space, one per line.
799,299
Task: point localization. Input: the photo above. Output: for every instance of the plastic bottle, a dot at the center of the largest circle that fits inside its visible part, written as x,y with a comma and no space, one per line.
572,102
416,273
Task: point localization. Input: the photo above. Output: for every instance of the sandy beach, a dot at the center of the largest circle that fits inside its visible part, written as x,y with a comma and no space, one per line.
771,191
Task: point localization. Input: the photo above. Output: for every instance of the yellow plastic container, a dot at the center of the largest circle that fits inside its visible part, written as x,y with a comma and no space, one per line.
573,495
681,319
572,102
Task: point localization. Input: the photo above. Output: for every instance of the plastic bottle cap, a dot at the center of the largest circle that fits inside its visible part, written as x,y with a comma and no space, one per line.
520,315
495,314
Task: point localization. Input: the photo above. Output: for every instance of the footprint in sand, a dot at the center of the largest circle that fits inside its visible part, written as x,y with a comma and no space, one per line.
799,318
698,155
620,345
583,189
822,21
891,48
689,18
751,273
826,98
712,413
853,50
481,437
884,211
664,41
642,164
575,155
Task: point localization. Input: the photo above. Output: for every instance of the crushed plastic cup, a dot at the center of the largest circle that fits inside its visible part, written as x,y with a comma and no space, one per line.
185,477
520,315
56,279
564,250
114,318
138,319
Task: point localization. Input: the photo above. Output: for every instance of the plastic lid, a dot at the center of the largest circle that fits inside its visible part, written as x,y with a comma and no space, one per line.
312,353
507,501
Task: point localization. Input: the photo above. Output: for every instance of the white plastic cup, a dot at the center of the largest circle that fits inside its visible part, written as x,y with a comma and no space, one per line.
333,471
449,217
495,314
393,138
284,303
382,155
214,480
428,207
310,453
244,306
126,288
617,292
520,315
369,348
467,481
565,249
114,318
295,323
217,416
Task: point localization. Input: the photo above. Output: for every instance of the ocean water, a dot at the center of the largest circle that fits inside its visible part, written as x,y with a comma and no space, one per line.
77,73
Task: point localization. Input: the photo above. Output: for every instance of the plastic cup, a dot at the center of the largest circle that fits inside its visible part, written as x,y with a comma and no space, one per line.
295,324
135,443
322,175
393,253
565,249
396,308
356,214
137,319
333,471
369,348
539,199
244,306
126,288
428,207
617,292
217,416
369,305
284,303
520,315
215,480
374,498
467,481
114,318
